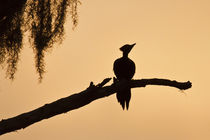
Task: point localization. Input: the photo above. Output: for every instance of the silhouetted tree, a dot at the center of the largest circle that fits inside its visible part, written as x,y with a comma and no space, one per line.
44,19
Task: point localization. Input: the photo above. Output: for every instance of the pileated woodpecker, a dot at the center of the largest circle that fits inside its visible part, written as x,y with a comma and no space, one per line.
124,69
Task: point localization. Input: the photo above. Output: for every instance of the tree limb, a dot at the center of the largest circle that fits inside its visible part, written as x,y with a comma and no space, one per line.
81,99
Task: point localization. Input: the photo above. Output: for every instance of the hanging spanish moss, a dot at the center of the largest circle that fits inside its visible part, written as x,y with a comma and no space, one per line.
45,21
11,35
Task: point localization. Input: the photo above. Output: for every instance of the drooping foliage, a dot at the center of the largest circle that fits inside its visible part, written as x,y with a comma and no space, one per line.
44,19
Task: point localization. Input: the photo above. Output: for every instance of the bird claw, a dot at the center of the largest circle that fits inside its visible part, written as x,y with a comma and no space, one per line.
114,80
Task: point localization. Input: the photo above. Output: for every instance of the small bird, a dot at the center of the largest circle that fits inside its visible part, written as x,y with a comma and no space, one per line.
124,69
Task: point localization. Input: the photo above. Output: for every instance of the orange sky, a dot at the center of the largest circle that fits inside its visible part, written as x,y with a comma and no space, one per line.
172,41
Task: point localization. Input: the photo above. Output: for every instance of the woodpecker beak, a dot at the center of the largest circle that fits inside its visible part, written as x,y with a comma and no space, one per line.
132,45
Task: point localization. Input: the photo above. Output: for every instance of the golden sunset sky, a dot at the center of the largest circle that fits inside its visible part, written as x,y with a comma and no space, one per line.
172,41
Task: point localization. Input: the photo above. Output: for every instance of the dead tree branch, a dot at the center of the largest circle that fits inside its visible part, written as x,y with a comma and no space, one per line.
78,100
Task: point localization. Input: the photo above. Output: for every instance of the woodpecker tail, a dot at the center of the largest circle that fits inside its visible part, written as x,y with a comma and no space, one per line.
124,97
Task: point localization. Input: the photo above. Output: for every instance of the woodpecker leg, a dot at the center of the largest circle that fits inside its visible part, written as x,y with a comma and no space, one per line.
114,80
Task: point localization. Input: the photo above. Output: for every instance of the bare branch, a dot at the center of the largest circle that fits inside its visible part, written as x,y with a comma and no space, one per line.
81,99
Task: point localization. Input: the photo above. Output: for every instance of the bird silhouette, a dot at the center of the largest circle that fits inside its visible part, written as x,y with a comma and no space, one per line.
124,69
